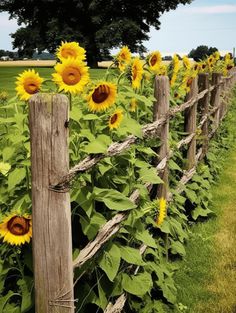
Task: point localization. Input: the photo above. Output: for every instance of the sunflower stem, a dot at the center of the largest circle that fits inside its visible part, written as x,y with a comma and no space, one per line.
107,71
70,100
20,267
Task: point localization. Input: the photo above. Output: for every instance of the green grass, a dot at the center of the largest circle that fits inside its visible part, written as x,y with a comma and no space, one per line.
206,277
8,76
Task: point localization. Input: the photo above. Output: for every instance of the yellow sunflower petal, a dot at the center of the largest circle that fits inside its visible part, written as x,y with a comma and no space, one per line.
162,211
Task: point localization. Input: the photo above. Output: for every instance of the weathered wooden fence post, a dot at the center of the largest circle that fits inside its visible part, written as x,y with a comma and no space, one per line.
51,215
160,108
190,117
203,105
215,97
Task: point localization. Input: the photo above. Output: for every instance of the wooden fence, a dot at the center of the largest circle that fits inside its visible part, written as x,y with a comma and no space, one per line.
205,107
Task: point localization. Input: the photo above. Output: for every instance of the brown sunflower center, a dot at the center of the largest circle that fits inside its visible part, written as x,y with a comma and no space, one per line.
189,82
114,118
100,94
153,60
71,76
18,225
66,53
31,87
229,67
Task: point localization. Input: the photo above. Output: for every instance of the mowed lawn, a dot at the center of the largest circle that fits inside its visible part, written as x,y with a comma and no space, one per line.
8,76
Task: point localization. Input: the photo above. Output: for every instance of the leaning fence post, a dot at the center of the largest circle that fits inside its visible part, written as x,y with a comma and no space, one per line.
51,215
203,105
160,108
215,97
190,116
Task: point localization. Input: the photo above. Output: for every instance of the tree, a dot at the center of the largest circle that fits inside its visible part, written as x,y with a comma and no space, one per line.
201,52
98,25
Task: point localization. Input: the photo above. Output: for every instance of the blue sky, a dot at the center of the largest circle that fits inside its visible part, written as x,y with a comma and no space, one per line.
209,22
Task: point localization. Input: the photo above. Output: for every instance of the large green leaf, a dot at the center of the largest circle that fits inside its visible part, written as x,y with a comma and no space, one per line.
15,177
110,261
149,175
137,285
26,285
113,199
131,255
146,238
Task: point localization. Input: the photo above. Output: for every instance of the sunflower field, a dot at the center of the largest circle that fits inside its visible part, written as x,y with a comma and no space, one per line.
102,112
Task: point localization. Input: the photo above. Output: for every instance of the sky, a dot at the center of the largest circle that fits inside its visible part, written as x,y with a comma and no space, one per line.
203,22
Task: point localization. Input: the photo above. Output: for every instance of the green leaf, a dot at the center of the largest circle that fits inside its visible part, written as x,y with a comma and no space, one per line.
26,285
99,145
113,199
201,212
174,166
4,168
110,262
16,177
76,113
146,238
131,255
90,117
7,153
132,127
191,195
168,289
137,285
149,175
177,248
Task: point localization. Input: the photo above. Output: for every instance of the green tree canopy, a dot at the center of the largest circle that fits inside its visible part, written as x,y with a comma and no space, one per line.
98,25
201,52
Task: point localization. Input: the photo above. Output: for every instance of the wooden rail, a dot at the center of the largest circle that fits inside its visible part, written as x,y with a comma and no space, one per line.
51,179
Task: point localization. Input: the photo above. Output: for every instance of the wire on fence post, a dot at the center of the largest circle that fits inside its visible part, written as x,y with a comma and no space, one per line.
190,117
51,215
215,97
203,106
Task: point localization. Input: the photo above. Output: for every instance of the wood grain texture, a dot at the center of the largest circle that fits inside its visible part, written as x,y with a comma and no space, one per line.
215,97
190,117
161,108
203,105
51,214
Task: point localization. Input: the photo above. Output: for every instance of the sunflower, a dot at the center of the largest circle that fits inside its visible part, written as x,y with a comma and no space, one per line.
16,229
102,96
154,60
162,211
123,58
28,83
186,62
70,50
71,75
136,73
115,119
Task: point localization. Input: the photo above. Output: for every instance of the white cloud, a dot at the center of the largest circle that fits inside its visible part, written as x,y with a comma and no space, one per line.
216,9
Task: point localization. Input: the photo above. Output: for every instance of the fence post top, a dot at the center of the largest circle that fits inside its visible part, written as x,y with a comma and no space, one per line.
47,97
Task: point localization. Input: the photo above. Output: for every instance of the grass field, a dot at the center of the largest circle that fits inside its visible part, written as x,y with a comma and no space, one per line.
8,75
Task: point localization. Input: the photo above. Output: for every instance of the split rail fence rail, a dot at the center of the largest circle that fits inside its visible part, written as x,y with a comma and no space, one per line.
51,177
